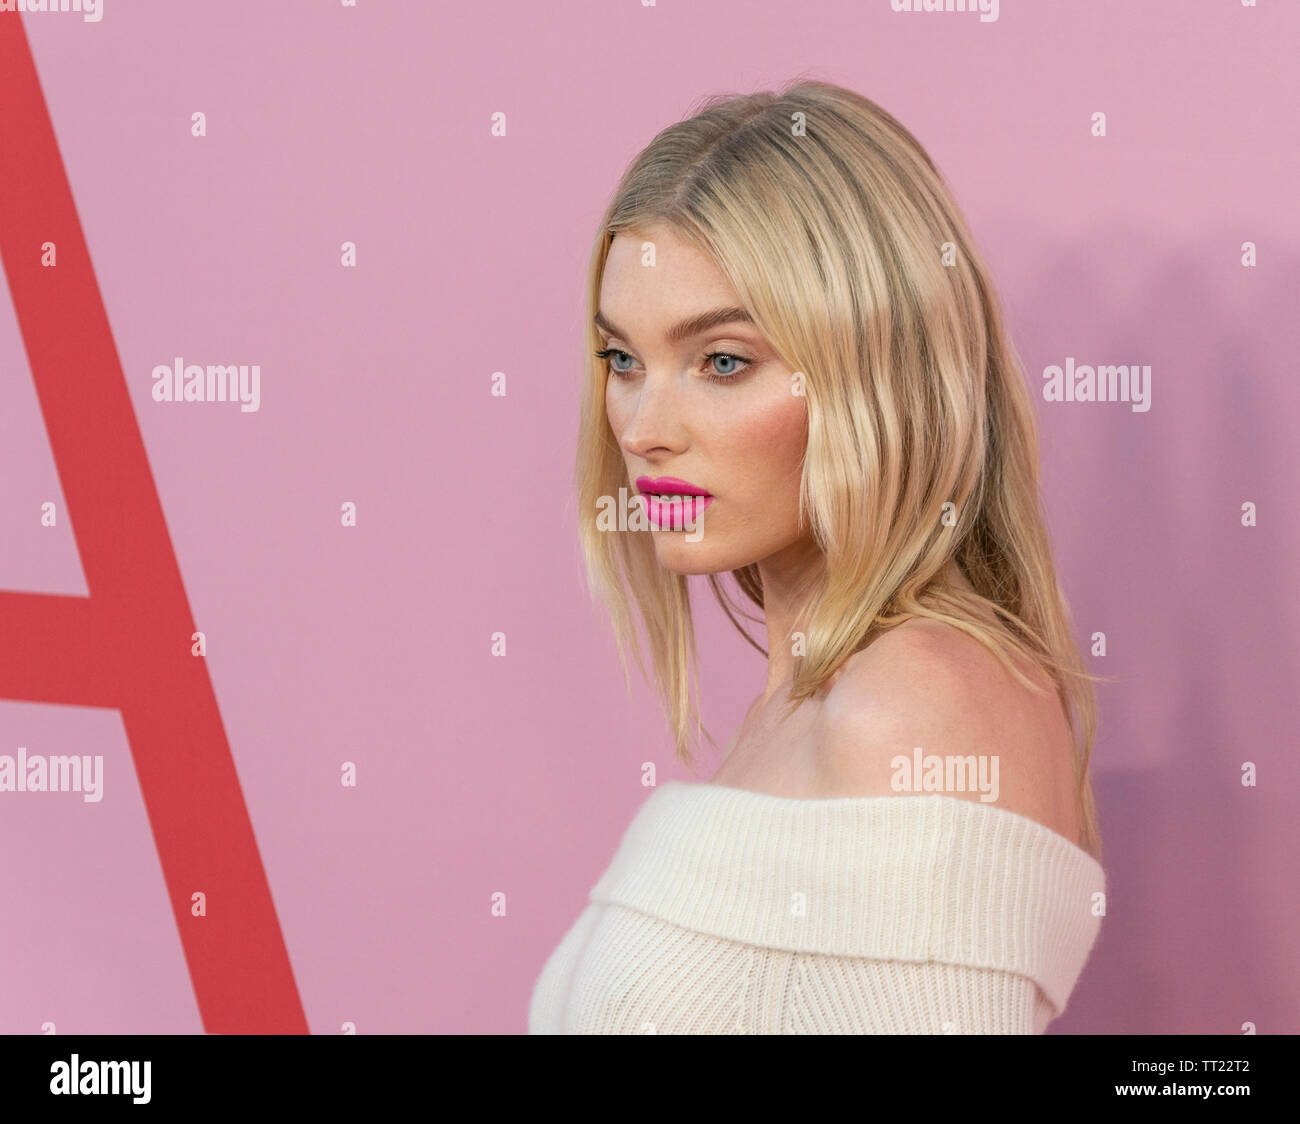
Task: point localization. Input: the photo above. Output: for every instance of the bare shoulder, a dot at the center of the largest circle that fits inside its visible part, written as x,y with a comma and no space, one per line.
926,691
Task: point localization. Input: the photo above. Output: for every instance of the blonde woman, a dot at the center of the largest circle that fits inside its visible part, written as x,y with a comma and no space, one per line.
801,375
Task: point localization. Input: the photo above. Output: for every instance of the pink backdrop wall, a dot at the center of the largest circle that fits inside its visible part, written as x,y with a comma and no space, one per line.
479,774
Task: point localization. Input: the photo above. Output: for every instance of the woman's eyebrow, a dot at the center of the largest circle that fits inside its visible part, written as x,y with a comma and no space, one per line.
691,326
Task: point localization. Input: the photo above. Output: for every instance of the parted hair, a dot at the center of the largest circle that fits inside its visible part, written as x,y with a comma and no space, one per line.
845,245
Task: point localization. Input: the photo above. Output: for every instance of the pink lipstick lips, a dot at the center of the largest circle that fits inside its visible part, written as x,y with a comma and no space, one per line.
672,504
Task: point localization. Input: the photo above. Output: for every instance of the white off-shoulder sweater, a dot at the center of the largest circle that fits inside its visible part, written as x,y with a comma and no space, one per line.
726,911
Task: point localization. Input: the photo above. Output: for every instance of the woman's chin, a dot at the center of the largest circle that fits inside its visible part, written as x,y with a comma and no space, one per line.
676,552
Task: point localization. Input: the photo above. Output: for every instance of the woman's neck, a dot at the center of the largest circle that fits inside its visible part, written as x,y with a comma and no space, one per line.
787,584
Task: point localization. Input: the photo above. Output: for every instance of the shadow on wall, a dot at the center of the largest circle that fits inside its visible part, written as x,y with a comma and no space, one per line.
1198,612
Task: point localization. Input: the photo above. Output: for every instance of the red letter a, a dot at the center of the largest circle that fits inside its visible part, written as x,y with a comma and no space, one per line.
127,645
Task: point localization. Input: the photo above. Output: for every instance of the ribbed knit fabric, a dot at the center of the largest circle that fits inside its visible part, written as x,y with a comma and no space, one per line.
726,911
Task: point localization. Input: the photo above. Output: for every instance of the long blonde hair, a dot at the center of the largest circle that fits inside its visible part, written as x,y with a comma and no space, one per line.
844,243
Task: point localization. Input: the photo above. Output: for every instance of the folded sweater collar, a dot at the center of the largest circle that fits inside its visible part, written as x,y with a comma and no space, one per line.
914,878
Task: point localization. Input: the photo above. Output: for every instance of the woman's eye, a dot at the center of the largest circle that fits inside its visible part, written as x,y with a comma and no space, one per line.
725,365
609,353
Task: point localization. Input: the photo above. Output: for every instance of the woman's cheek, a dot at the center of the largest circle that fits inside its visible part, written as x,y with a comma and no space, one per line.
615,411
776,430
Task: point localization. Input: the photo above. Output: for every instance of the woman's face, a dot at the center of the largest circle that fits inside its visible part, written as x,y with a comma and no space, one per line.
730,425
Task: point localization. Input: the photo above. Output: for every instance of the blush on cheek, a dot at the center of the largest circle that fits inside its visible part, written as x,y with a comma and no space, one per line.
764,450
777,430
